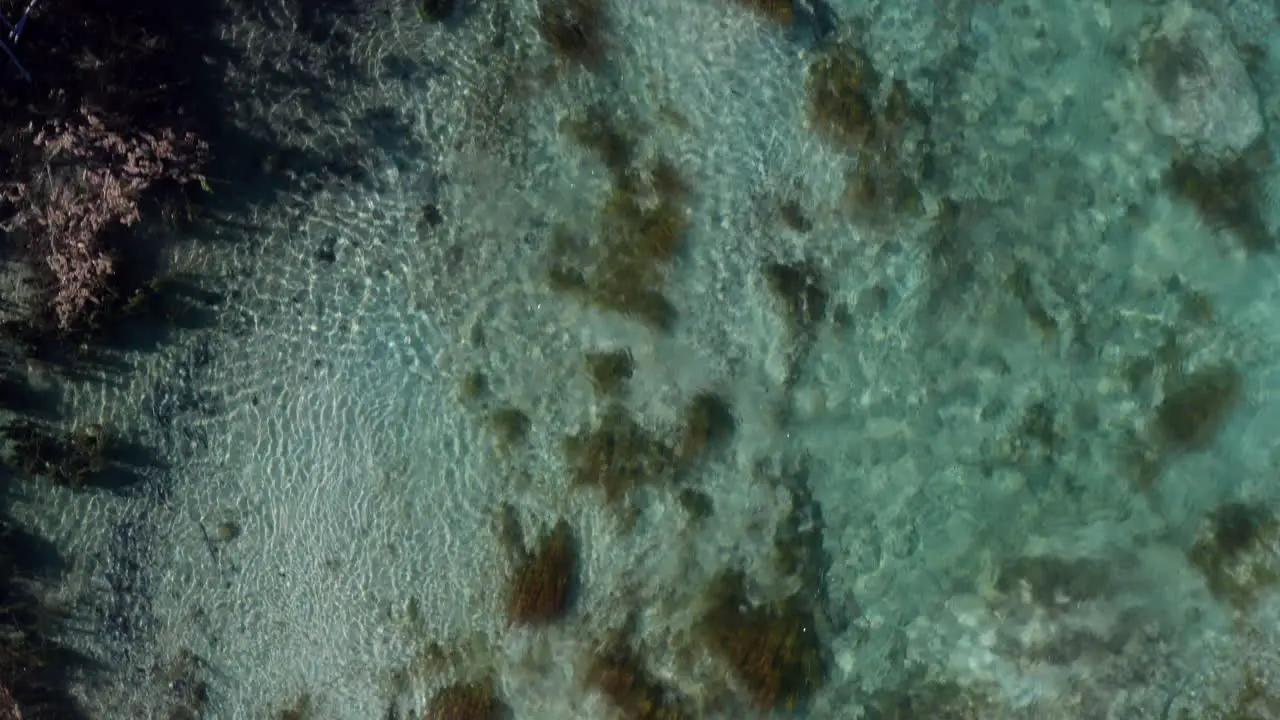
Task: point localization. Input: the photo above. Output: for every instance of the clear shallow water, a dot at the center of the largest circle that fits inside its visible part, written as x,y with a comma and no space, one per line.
952,459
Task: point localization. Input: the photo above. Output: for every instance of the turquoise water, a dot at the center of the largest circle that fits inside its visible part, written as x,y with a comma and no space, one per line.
1003,438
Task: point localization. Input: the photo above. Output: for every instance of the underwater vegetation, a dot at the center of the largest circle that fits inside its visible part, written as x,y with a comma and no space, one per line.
1195,407
1039,431
135,310
36,337
846,108
172,301
145,56
885,184
510,426
598,132
922,697
773,649
1050,581
798,550
793,215
1050,591
543,583
435,10
473,386
36,669
641,227
782,12
1256,700
1032,444
842,86
800,290
696,503
1022,285
1190,416
619,673
954,267
19,398
808,21
610,371
799,287
71,459
1235,552
617,455
183,679
575,30
461,672
709,422
302,709
1227,194
89,457
467,701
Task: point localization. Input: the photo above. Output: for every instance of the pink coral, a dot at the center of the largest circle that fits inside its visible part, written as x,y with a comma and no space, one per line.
94,176
8,706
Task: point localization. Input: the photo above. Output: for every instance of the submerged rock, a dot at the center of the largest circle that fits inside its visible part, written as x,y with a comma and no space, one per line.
1205,99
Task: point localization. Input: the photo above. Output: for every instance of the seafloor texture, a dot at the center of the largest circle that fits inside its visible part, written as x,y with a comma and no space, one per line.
663,359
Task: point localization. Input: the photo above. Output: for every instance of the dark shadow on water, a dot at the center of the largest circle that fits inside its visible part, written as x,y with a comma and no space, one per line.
20,398
128,465
35,667
146,313
28,555
136,48
82,459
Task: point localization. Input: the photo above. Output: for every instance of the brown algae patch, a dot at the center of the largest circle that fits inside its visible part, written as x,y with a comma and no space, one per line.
800,288
773,649
1235,552
846,108
542,586
617,455
619,673
1195,407
780,12
610,371
1227,194
709,423
842,85
510,427
574,30
621,266
467,701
